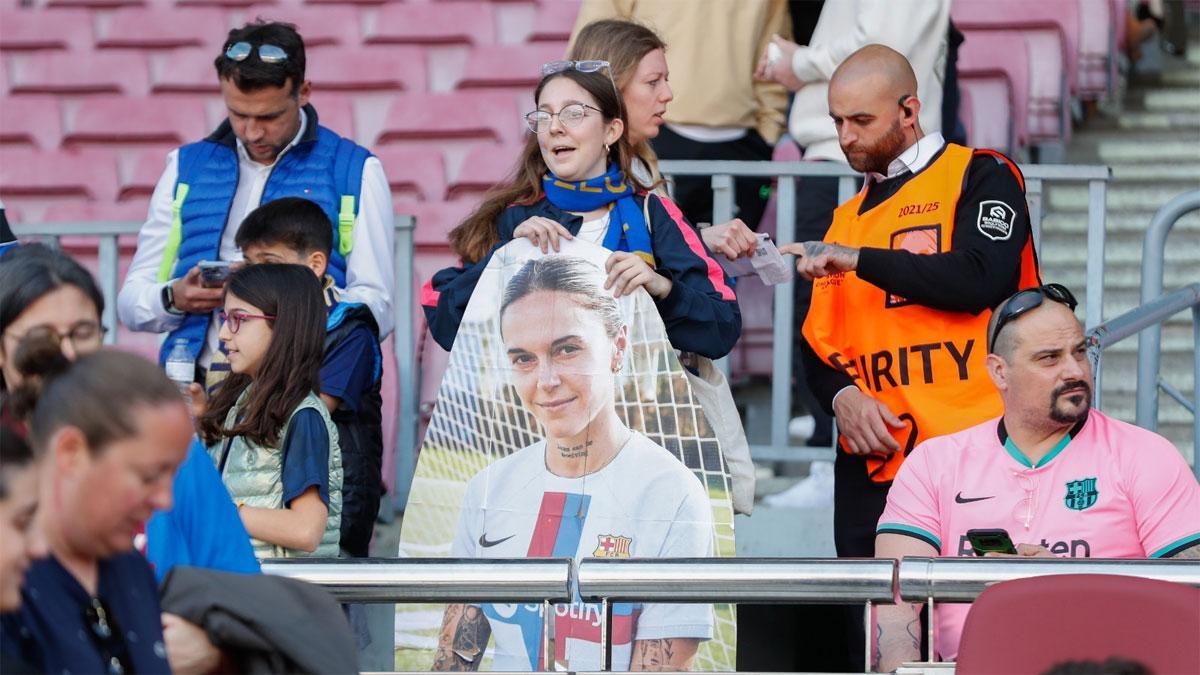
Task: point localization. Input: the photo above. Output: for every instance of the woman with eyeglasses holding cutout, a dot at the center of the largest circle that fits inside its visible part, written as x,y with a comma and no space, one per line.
639,68
269,434
574,179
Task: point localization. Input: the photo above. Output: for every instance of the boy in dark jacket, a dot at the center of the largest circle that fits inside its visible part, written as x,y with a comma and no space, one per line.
297,231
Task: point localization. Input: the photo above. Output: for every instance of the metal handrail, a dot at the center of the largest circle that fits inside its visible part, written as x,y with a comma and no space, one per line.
433,579
1154,247
775,580
723,172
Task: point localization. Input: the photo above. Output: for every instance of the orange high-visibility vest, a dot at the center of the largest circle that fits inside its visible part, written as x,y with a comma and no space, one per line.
926,365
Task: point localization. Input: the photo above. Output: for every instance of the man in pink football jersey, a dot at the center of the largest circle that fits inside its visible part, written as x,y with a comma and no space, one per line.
1063,480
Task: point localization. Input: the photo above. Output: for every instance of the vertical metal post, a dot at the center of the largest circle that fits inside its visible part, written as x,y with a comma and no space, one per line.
723,202
1097,193
1033,197
605,638
782,330
547,626
109,268
868,624
845,188
931,632
404,345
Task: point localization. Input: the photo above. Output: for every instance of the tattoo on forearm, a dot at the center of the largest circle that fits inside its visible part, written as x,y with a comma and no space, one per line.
672,654
815,248
463,639
574,452
914,633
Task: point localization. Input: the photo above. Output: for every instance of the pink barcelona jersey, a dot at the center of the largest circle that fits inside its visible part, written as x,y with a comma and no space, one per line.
1108,490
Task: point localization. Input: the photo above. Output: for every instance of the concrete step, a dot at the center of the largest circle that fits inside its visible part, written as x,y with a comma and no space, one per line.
1184,77
1186,172
1185,149
1123,221
1126,196
1121,251
1184,99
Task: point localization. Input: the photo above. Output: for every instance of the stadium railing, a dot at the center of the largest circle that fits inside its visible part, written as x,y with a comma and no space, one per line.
723,172
702,580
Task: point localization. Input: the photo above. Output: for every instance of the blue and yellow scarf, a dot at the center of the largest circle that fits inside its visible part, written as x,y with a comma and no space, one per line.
627,228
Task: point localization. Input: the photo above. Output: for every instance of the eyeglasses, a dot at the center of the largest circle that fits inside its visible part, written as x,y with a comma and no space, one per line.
235,320
107,637
570,116
1025,509
85,334
1026,300
240,51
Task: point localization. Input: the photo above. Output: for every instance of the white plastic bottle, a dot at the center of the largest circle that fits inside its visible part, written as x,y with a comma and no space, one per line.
181,369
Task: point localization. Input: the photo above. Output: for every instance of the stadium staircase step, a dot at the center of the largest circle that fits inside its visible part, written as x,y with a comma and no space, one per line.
1152,146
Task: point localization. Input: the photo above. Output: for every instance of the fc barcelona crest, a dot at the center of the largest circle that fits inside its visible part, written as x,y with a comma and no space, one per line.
1081,494
612,546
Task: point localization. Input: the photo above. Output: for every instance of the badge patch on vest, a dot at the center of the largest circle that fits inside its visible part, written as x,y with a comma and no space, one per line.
1081,494
922,240
996,219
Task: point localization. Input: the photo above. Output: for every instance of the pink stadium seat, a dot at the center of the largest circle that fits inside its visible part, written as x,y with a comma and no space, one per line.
160,28
554,20
991,111
248,4
88,174
414,172
132,120
468,23
30,120
93,212
509,65
486,164
977,59
1098,29
364,69
335,111
482,115
319,26
434,221
966,112
68,73
96,4
184,71
139,175
45,29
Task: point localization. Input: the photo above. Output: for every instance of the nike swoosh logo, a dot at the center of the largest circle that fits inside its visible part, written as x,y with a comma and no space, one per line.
959,499
483,540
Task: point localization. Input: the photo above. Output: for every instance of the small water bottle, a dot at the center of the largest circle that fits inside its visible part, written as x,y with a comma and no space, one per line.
181,369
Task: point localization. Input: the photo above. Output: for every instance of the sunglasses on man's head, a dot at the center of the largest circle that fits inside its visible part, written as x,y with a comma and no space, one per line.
240,51
1026,300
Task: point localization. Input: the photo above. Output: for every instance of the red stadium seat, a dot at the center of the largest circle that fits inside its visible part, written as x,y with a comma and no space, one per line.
486,164
554,21
70,74
132,120
184,71
139,175
482,115
88,174
141,28
509,65
30,120
319,26
414,172
1029,625
468,23
45,29
367,69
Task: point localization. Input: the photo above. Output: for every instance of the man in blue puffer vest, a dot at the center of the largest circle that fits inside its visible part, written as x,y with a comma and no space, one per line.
270,146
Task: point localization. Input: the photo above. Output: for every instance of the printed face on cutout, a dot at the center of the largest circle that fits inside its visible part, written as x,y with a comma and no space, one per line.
646,96
575,153
19,541
265,120
562,361
248,346
134,477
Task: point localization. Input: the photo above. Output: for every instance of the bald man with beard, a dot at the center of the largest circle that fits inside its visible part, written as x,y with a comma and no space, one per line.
903,284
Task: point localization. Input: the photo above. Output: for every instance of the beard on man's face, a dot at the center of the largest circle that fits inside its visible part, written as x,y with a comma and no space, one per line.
879,155
1070,401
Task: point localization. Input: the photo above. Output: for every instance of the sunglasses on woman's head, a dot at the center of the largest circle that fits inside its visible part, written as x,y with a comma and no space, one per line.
1026,300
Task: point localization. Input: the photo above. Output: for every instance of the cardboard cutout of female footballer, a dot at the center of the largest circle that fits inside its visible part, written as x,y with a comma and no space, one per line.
564,426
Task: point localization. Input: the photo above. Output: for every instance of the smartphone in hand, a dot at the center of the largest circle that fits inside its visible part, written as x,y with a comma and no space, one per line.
214,273
984,541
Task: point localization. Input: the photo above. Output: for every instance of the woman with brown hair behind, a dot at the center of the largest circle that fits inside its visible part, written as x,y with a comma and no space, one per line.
574,179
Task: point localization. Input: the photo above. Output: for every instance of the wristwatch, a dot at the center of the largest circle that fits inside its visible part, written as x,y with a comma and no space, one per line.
168,300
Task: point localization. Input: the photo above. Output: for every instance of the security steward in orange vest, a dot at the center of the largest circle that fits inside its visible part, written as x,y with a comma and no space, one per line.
902,285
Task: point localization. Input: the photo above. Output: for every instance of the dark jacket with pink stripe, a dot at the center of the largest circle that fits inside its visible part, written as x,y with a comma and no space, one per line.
700,314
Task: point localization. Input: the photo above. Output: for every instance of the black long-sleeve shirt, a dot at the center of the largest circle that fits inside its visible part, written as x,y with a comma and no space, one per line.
977,273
